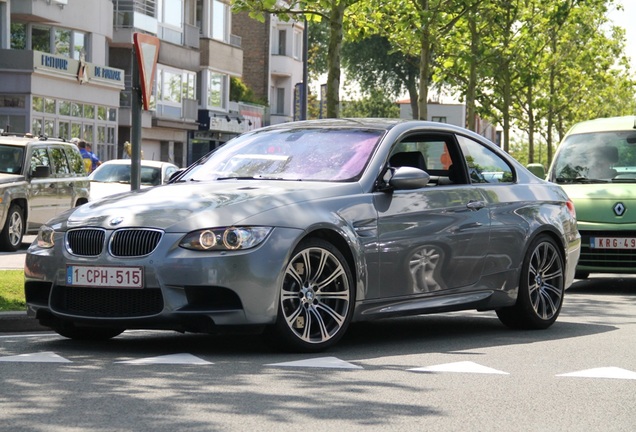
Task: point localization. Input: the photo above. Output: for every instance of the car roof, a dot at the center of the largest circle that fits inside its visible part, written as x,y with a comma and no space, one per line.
144,162
22,141
608,124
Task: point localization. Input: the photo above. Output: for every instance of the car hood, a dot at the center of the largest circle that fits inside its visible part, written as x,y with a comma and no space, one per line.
184,207
596,203
10,178
103,189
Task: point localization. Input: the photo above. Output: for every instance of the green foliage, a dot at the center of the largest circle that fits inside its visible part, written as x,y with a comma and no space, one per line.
12,290
240,92
375,64
375,105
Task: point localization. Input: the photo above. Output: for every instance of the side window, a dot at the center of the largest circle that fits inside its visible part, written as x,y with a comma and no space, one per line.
484,166
39,157
75,161
59,160
431,153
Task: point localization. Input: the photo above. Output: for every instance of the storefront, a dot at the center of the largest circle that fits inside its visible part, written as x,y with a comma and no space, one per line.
58,96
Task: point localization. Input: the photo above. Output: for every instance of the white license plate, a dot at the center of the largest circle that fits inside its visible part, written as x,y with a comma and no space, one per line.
613,242
105,276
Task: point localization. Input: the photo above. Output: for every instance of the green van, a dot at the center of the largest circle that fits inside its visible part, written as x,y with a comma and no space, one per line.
596,165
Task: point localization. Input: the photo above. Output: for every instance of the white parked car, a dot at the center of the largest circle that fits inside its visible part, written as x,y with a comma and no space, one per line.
113,176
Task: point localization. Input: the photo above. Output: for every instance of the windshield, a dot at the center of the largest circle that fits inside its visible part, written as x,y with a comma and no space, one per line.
292,154
596,157
11,159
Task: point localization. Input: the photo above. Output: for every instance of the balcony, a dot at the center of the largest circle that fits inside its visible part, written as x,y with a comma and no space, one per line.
221,56
285,66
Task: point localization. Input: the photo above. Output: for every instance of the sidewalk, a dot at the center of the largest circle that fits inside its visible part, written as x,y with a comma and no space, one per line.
11,322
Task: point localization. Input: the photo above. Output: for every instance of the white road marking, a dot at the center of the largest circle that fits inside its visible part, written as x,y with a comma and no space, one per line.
460,367
321,362
41,357
602,372
169,359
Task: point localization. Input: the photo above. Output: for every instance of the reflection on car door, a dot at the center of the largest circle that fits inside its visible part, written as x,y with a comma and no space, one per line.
63,180
43,192
434,238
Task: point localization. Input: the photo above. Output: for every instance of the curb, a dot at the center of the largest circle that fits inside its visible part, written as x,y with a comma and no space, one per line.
13,322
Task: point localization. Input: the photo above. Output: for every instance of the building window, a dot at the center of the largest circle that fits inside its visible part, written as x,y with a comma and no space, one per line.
280,100
173,85
170,17
64,130
298,45
216,90
79,44
41,39
48,39
62,42
219,21
439,119
282,42
18,36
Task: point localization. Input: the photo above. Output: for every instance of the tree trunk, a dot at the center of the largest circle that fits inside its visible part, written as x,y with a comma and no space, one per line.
333,60
425,70
529,96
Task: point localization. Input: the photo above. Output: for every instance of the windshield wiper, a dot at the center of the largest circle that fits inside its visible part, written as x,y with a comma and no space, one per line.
258,177
583,180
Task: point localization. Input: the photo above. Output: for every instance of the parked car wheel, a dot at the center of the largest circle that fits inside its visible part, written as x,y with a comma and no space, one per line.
11,235
72,331
541,288
316,298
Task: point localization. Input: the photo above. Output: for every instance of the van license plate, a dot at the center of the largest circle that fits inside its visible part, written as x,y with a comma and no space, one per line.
613,242
104,276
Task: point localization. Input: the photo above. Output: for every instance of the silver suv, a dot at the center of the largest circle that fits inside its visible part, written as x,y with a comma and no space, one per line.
39,179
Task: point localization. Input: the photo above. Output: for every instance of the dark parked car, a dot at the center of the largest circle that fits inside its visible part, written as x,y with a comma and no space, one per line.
301,228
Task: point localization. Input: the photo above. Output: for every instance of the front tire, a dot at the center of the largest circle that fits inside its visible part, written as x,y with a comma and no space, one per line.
541,288
316,298
13,230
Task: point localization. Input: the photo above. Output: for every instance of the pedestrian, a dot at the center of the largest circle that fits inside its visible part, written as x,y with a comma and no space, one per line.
86,157
94,159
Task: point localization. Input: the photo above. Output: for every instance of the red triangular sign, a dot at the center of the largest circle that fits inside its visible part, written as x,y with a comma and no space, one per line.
147,51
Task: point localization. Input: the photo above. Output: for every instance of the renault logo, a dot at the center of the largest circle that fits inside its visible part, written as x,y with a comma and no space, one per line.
619,209
116,220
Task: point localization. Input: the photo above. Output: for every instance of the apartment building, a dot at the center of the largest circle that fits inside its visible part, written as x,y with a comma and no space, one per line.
275,66
66,70
55,77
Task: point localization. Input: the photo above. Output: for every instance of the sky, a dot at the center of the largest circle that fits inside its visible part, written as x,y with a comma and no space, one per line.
625,19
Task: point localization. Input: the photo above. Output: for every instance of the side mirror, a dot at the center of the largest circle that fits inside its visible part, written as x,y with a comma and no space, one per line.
42,171
537,169
409,178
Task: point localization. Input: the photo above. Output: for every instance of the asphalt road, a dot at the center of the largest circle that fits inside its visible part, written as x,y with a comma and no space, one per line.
448,372
15,260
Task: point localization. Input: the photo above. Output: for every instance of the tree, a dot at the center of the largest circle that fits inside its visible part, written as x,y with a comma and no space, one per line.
415,27
375,105
377,66
330,11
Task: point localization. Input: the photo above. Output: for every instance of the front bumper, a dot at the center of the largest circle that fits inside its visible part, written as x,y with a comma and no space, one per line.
183,290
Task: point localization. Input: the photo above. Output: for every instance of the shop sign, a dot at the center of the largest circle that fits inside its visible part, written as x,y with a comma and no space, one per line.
78,70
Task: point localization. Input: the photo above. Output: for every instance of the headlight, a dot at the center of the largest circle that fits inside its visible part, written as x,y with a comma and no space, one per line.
45,237
223,239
